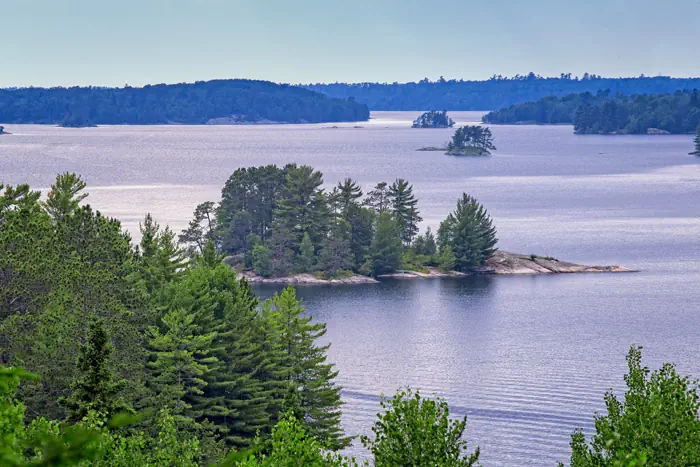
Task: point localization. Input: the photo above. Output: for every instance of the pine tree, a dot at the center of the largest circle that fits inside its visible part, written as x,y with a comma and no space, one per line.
379,198
362,222
349,193
309,374
65,195
470,233
95,390
201,228
404,208
430,247
385,253
335,254
307,255
697,143
302,207
180,364
161,260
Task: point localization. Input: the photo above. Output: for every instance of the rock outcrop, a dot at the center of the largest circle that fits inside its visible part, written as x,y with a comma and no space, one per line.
504,263
305,279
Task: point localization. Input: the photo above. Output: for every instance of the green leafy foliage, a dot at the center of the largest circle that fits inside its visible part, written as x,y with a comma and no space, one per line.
414,431
657,422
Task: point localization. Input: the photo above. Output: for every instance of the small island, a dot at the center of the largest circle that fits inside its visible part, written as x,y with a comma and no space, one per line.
696,141
471,140
433,119
278,225
2,130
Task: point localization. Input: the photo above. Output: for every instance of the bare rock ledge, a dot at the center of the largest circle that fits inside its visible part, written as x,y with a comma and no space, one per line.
502,264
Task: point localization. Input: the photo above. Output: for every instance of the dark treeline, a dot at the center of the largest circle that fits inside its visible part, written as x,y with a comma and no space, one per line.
151,355
495,93
190,103
281,221
604,112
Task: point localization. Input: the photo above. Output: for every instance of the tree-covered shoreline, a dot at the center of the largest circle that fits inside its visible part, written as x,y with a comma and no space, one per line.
280,222
495,93
186,103
606,113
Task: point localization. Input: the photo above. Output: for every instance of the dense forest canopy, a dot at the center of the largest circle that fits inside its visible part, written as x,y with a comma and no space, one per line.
494,93
433,119
191,103
605,112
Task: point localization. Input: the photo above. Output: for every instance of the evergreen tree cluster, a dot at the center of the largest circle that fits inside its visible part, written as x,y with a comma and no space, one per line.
471,136
191,103
605,112
281,221
192,340
495,93
433,119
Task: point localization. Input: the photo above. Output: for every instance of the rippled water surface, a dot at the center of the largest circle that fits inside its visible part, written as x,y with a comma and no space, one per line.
526,358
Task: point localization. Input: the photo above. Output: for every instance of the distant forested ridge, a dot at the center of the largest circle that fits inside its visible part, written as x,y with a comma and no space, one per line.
494,93
190,103
603,112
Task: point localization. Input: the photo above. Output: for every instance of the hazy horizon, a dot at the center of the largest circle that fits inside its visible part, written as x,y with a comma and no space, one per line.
81,42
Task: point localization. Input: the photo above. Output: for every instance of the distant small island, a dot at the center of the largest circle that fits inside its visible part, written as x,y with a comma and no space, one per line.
2,131
605,113
469,140
697,143
433,119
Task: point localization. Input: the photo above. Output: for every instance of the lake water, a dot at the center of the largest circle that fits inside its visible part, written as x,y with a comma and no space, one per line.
526,358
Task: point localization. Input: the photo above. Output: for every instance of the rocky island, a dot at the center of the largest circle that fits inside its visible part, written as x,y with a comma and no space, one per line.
2,131
500,264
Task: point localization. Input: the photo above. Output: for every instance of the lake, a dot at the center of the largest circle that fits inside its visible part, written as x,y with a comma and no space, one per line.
527,359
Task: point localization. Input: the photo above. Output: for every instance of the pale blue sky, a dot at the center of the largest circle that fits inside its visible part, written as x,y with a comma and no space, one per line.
104,42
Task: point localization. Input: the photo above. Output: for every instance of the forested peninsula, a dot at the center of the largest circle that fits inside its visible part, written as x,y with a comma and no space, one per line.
604,113
218,101
495,93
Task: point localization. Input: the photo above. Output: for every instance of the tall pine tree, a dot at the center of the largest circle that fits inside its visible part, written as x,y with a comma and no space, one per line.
95,388
404,207
697,142
309,374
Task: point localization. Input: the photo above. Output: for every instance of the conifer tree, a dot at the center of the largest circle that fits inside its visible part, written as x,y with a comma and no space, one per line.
379,198
470,233
336,253
385,253
404,208
65,195
697,142
349,193
180,364
309,374
302,208
306,256
95,388
201,228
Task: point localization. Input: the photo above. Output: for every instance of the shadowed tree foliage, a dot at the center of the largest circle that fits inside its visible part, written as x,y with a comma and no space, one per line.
95,390
385,253
697,142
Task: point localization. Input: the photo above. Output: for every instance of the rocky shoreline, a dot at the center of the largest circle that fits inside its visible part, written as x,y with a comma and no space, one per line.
500,264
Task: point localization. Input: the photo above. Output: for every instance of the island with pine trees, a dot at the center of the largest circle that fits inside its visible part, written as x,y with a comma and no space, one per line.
469,140
278,225
433,119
